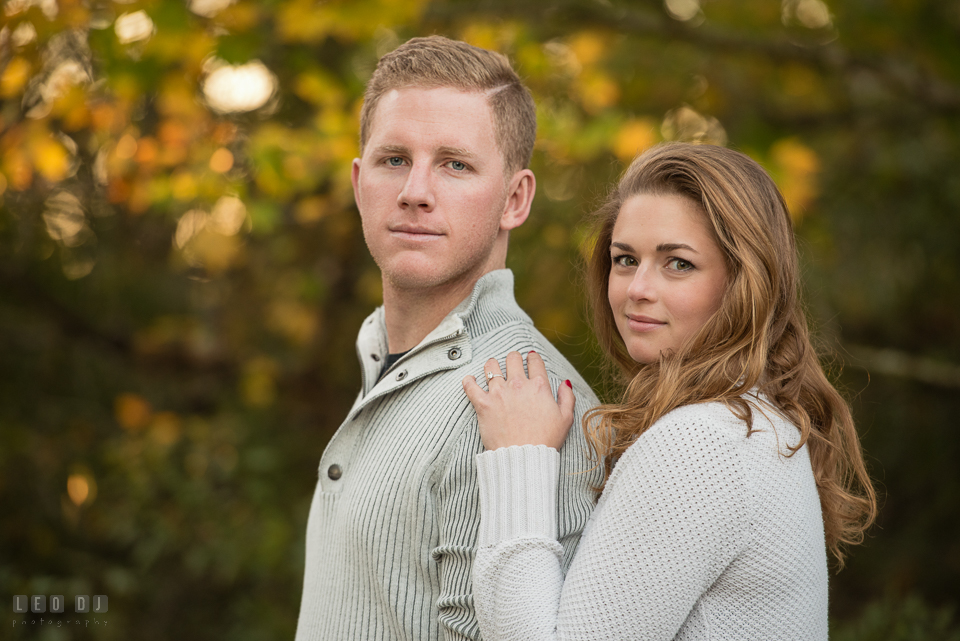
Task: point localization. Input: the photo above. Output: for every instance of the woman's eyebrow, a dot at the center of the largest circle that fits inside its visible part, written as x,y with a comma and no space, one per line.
662,247
669,247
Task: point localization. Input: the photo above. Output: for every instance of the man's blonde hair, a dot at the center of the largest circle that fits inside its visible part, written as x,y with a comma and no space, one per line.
435,62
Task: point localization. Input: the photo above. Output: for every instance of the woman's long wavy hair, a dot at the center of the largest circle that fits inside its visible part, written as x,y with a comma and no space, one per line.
758,338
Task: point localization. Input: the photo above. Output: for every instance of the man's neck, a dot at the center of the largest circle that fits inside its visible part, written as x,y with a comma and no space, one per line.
411,314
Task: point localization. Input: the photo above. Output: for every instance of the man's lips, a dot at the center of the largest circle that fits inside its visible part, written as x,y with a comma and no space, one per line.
415,232
640,323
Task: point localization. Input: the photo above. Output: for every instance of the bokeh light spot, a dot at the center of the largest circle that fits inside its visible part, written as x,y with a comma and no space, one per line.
682,10
133,27
81,488
221,161
132,411
228,215
239,88
64,219
209,8
126,147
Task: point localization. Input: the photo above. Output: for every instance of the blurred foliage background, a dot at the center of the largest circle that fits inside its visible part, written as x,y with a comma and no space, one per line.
182,272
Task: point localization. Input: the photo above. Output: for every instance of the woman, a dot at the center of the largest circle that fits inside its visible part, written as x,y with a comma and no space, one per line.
731,462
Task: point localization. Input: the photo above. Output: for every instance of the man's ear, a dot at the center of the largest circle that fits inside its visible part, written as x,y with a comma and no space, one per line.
520,192
355,181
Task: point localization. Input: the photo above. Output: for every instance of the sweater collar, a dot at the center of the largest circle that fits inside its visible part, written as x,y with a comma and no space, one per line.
491,304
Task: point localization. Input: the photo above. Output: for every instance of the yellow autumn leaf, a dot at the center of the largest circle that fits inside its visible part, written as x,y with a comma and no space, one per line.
71,107
797,167
165,428
195,51
311,209
81,487
14,77
221,161
596,91
303,21
319,88
636,135
183,186
50,158
17,168
240,17
481,34
588,46
132,411
214,251
353,17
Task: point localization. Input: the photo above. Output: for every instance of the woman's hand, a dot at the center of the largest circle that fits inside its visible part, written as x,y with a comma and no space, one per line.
518,410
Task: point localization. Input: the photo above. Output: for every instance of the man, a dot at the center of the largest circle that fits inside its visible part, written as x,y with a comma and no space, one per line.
446,134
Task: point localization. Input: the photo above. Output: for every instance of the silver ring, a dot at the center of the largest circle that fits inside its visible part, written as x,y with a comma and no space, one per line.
491,376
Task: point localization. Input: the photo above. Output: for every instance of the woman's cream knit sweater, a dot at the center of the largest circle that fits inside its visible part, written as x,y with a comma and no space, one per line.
701,533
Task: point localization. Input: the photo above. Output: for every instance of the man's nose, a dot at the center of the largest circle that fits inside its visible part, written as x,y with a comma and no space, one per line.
417,190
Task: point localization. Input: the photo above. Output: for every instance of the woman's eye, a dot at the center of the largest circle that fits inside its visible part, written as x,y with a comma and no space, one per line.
395,161
624,261
680,264
456,165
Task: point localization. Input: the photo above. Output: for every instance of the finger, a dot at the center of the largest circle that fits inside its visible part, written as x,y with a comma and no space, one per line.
474,392
515,366
566,400
535,366
492,372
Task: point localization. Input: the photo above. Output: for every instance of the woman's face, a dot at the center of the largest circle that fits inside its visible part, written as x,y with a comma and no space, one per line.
667,276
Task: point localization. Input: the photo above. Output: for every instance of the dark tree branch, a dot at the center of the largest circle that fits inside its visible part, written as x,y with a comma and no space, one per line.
892,362
900,76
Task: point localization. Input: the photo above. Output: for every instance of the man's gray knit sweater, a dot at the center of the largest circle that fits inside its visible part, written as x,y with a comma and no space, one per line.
393,526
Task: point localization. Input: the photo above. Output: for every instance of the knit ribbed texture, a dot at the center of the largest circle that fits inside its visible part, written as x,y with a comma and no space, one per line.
527,492
701,534
391,542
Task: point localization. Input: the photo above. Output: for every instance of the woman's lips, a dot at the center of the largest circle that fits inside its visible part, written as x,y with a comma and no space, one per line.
639,323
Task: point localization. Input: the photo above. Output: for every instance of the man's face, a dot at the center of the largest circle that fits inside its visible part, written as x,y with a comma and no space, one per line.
431,190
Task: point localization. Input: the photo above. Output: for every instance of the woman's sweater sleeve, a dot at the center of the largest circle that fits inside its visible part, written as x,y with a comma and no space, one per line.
518,532
673,516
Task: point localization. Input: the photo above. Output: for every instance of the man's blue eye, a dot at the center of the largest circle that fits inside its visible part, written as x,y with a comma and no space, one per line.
395,161
457,165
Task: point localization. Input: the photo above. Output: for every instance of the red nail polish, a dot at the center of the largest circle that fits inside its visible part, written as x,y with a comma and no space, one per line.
569,384
533,351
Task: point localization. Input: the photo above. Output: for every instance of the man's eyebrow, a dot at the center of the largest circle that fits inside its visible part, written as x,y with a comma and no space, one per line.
391,149
456,151
441,151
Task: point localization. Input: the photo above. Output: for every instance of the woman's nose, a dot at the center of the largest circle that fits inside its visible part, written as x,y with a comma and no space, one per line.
642,286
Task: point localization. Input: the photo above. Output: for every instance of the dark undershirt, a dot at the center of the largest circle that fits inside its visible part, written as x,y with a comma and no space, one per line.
389,361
